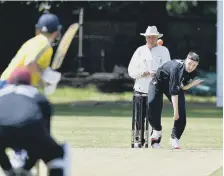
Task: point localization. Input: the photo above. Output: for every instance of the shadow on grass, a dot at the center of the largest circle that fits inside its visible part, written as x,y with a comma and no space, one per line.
124,109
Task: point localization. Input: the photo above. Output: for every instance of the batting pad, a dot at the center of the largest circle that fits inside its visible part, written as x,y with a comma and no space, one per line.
64,163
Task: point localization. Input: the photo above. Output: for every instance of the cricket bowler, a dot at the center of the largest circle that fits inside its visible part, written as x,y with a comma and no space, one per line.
171,79
24,127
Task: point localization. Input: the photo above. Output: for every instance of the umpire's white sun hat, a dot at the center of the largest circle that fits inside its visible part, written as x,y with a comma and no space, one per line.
151,30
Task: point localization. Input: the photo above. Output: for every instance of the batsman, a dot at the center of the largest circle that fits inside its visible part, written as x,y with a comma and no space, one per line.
35,54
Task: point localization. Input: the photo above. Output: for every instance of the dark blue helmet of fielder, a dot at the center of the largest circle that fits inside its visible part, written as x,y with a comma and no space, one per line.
48,23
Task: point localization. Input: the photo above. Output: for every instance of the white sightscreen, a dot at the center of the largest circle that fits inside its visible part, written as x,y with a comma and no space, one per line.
219,93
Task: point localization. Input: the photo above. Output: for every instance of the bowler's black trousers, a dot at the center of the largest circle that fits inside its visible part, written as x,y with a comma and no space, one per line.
155,106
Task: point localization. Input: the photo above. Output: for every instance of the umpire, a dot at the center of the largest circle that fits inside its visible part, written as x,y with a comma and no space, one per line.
171,79
143,65
23,125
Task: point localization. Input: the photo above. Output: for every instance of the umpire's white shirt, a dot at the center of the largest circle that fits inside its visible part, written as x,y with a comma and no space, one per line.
146,60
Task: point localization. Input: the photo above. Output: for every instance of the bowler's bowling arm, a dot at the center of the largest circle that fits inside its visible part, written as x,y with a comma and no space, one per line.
188,86
174,99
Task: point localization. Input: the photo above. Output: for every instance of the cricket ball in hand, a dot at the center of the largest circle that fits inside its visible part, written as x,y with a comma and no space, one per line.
160,42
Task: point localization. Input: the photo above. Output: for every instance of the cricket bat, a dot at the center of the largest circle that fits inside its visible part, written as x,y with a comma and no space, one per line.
58,59
64,45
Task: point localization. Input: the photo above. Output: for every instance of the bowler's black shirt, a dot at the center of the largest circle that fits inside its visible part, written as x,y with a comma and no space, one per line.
173,76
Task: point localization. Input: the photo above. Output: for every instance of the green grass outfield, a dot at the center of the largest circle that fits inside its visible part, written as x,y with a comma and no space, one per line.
112,132
68,94
88,122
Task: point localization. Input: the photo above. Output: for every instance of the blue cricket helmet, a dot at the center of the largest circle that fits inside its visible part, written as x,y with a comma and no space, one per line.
48,22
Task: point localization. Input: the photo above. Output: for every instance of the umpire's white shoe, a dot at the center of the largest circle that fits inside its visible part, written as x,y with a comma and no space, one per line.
175,143
156,135
136,145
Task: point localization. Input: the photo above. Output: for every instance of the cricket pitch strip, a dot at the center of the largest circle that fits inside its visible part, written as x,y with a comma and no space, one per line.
133,162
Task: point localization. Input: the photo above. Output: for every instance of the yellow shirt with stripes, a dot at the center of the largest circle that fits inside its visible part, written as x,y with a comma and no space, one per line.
36,49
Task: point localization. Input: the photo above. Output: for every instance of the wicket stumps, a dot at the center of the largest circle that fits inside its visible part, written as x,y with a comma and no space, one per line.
140,121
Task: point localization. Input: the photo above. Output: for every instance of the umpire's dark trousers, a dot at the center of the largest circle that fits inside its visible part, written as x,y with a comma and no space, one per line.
155,106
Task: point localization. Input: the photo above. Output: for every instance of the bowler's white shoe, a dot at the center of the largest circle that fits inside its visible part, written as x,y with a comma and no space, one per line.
156,145
175,143
156,135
